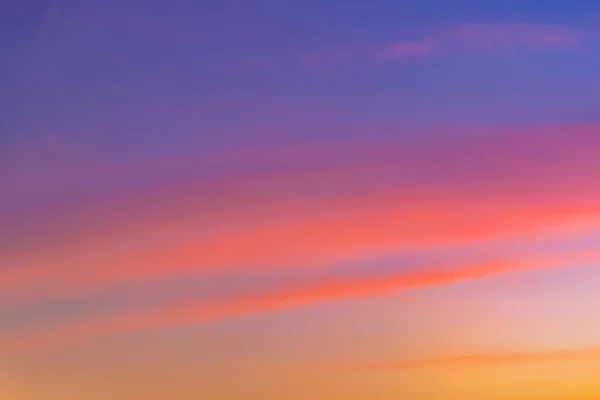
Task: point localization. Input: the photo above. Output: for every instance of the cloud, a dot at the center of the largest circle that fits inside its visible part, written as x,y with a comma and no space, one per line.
489,359
408,49
514,34
493,37
288,296
315,238
487,37
382,200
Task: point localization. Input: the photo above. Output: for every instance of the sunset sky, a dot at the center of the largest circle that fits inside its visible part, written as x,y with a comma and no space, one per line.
291,200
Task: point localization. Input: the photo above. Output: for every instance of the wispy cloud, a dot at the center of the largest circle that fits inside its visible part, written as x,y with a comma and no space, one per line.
494,37
313,239
536,36
381,202
408,49
489,359
288,296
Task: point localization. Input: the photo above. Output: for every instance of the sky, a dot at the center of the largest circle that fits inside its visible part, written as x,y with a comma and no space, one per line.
336,200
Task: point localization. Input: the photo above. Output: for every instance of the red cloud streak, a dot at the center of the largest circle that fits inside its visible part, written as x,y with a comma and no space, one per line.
285,297
514,182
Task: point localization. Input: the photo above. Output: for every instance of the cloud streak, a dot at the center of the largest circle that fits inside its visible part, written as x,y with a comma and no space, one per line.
491,359
289,296
490,37
537,36
313,239
515,183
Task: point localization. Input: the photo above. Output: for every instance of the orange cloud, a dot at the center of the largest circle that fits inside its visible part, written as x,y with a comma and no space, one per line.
289,296
542,356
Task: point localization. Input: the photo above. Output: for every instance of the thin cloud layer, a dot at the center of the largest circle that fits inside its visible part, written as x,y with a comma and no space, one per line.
297,197
492,37
515,184
481,360
286,297
515,34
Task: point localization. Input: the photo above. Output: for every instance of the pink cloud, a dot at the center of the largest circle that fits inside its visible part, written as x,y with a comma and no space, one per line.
471,36
484,36
288,296
408,49
518,182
